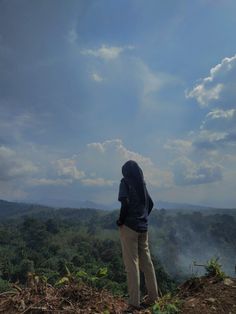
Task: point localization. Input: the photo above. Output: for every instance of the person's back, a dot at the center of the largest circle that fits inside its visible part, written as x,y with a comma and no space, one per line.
136,205
136,216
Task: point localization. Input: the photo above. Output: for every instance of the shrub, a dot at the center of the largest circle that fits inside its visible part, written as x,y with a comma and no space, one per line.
213,269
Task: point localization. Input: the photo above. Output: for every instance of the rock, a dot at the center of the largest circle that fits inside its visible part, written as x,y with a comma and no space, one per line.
228,282
212,300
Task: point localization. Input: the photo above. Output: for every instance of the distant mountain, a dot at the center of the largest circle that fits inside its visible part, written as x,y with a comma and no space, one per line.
48,207
65,203
114,205
170,205
15,209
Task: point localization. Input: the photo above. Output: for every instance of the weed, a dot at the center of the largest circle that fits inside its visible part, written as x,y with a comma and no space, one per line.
213,269
166,305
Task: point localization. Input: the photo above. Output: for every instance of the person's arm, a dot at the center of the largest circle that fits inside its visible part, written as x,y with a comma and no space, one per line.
123,198
123,211
150,203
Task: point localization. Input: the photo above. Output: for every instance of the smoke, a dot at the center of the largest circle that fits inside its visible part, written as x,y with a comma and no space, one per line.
182,240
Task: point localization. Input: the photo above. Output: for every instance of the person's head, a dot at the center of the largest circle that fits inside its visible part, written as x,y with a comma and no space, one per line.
134,175
132,170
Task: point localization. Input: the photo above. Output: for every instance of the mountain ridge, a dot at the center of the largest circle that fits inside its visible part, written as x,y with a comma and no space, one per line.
52,203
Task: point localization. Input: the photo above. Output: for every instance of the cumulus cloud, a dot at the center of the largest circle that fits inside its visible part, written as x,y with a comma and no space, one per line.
51,182
97,182
112,154
106,52
219,87
179,146
208,140
186,172
219,119
99,164
218,91
15,170
205,94
67,168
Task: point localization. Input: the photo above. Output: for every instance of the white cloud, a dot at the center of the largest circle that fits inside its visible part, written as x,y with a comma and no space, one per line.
13,166
100,182
110,155
217,134
96,77
205,95
219,119
217,141
179,146
67,168
106,52
223,68
186,172
45,182
15,170
219,87
99,165
221,114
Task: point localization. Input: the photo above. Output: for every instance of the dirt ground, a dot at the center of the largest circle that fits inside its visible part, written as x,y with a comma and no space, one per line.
197,296
208,296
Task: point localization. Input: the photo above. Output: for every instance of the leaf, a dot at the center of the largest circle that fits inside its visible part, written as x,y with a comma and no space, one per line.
102,272
62,281
68,271
81,274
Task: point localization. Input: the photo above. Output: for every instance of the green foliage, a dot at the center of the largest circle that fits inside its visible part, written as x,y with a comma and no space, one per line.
42,240
4,285
62,281
102,272
81,275
213,269
166,305
26,266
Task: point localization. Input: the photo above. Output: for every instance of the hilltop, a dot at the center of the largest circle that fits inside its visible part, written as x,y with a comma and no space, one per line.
206,295
203,295
47,241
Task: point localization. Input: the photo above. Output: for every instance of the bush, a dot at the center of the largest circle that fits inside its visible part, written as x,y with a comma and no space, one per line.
213,269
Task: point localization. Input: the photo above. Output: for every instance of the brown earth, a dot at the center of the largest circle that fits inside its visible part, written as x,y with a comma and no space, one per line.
202,295
206,295
71,298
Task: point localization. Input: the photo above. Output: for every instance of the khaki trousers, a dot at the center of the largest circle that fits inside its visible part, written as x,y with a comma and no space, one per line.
136,256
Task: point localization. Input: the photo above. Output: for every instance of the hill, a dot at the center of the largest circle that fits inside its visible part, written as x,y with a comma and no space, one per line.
47,241
16,210
178,237
204,295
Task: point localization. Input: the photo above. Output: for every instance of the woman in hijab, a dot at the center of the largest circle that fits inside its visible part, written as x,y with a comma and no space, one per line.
136,205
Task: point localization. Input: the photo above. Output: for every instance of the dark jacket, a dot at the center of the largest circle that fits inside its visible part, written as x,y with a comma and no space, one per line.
136,203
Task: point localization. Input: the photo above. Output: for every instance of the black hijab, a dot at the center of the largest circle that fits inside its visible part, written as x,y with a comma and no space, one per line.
133,174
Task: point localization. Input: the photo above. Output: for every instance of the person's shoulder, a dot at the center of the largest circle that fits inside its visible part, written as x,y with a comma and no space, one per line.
124,183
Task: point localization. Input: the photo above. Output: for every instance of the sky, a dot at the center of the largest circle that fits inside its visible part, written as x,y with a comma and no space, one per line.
87,85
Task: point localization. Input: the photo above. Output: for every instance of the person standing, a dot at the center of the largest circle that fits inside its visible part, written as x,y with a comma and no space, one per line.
136,205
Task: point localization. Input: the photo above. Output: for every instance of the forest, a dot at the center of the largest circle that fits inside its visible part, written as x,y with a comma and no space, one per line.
49,242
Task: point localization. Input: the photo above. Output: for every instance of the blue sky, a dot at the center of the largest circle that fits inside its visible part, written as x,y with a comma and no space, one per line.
87,85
